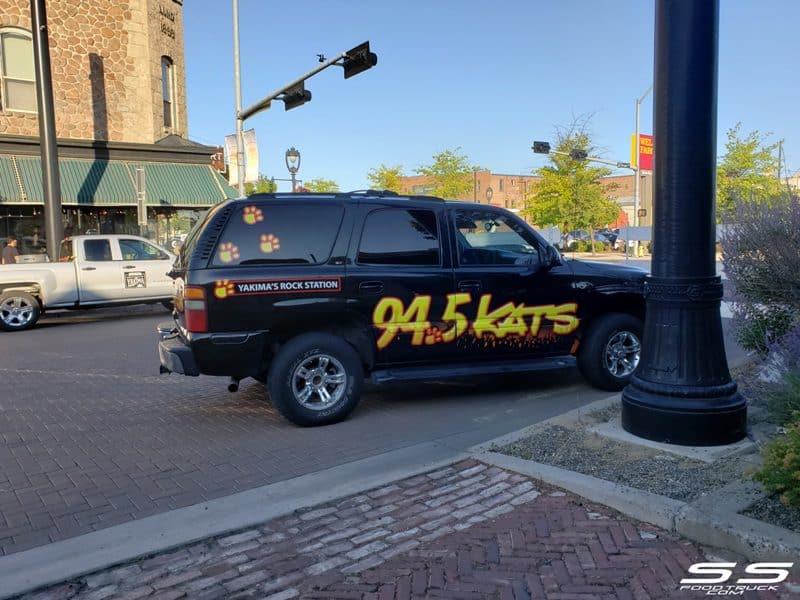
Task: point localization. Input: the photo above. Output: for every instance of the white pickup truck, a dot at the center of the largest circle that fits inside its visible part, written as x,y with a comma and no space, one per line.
93,271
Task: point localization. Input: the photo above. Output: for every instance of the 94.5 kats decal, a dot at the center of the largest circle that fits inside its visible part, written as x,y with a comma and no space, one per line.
393,317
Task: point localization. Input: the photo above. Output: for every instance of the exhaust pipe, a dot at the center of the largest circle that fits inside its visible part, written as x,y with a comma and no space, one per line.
233,385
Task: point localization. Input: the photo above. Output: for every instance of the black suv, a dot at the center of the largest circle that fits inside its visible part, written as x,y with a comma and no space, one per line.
311,292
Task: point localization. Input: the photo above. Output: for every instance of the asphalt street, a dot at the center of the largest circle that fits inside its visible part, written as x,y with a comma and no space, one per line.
93,436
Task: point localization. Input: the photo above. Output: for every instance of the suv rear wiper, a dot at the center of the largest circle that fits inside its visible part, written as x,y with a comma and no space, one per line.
271,261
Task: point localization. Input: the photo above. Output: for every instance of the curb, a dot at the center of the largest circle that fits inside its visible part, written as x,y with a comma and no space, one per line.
54,563
712,520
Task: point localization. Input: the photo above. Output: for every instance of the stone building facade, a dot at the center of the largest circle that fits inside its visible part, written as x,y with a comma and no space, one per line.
119,92
106,60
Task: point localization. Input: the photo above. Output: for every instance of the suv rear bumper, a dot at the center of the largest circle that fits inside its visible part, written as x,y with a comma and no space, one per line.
224,354
176,357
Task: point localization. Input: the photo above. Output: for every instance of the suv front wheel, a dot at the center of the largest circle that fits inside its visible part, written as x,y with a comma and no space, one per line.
315,379
610,351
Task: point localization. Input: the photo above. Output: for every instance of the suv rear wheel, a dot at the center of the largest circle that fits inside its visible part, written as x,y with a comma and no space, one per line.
611,350
315,379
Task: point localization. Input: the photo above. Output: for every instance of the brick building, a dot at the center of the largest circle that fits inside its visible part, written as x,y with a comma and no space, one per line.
510,191
119,87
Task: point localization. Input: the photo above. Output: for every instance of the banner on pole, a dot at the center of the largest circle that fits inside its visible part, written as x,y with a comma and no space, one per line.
233,160
644,158
251,156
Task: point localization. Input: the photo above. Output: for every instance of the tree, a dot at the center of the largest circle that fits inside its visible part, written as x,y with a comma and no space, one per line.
321,185
263,185
569,194
747,172
451,173
386,178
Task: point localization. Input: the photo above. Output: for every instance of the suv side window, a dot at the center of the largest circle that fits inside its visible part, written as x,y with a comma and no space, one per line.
269,234
399,236
489,238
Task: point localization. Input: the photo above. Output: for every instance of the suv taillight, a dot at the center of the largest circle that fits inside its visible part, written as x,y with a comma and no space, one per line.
194,309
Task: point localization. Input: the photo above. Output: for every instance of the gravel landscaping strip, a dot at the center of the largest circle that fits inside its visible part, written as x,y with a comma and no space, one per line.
577,449
771,510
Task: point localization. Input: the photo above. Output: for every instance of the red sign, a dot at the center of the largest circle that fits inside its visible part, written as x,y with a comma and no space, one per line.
645,154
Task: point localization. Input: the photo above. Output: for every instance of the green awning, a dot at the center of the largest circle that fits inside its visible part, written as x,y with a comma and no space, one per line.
9,188
111,182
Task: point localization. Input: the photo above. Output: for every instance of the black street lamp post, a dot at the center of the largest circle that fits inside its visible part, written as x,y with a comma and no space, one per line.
682,392
293,164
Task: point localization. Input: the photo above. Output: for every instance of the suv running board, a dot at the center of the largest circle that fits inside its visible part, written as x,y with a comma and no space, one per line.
451,371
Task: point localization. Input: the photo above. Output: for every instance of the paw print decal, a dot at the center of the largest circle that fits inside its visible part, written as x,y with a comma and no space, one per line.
223,289
433,335
269,243
228,252
252,215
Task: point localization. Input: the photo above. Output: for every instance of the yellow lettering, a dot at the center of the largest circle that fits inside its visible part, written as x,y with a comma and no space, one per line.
460,321
391,317
563,322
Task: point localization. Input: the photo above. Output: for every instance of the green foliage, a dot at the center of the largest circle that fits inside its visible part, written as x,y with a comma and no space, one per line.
780,472
783,401
386,178
263,185
569,194
763,265
451,173
321,185
586,246
747,172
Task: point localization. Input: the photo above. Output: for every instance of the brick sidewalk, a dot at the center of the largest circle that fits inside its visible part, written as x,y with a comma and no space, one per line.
466,531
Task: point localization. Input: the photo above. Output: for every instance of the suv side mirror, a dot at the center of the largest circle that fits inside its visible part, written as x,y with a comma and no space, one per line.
552,257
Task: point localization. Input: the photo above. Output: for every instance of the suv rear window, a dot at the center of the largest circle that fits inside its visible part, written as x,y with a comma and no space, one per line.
266,233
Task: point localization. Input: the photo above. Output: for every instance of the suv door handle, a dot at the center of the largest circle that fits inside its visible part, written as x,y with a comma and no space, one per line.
129,267
371,287
88,268
470,285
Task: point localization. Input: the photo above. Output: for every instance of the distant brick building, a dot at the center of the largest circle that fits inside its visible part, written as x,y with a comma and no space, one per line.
510,191
119,87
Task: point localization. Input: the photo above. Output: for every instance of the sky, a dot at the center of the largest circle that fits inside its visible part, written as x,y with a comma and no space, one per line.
488,77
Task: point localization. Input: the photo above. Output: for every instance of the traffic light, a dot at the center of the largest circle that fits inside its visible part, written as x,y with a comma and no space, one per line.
358,60
578,154
541,148
296,96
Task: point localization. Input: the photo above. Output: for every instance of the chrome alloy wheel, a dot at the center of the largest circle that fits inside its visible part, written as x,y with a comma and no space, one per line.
319,382
622,354
16,312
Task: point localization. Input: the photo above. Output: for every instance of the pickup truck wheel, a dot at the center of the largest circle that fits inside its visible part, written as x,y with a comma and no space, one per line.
18,311
610,352
315,379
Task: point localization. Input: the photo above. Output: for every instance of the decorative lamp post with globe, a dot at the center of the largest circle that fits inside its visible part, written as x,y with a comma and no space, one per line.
293,164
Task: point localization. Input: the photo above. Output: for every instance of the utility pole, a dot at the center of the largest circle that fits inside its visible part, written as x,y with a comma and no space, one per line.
637,173
237,83
51,186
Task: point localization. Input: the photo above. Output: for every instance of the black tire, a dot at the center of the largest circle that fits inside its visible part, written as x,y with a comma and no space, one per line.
285,383
592,357
18,311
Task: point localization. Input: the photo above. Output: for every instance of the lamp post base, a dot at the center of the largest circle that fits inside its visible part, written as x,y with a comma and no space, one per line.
713,417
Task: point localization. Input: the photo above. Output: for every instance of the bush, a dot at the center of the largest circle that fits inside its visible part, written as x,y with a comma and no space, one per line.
780,472
585,246
760,254
783,401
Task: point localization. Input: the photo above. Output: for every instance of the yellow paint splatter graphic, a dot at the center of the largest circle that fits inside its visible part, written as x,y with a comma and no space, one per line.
223,289
252,215
228,252
270,243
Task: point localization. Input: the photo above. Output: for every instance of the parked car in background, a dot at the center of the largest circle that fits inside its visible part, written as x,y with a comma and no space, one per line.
93,271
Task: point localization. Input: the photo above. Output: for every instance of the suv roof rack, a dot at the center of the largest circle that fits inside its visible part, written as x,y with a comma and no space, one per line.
375,192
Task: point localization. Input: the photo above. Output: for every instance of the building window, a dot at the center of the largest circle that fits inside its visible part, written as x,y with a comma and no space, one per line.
17,75
501,185
168,91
